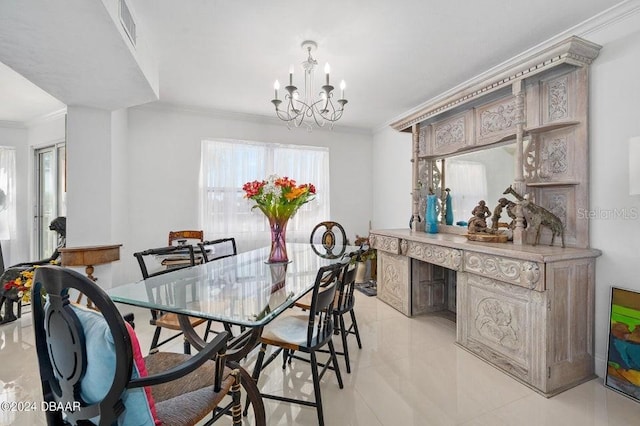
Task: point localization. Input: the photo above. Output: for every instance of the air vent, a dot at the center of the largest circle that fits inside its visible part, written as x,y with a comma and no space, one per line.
126,19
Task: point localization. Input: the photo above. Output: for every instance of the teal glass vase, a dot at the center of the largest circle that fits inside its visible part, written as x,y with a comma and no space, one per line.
431,222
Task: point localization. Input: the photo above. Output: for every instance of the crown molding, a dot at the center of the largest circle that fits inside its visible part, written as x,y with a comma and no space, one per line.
240,116
596,23
45,118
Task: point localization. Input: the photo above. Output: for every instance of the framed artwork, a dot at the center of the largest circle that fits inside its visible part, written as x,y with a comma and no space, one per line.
623,359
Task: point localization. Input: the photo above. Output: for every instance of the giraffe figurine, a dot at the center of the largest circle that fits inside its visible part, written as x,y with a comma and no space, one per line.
538,216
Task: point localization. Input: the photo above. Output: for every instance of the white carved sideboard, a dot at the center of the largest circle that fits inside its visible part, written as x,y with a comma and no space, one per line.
527,310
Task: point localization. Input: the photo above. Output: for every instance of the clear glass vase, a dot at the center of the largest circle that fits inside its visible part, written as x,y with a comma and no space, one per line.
278,252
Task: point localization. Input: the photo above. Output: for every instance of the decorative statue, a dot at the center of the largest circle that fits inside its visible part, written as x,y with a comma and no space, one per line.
7,296
478,223
539,216
497,213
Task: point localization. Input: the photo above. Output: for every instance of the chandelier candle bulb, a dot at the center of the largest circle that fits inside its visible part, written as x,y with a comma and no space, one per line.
343,85
290,75
327,70
276,87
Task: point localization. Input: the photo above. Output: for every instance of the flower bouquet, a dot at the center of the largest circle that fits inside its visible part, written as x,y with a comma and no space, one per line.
278,198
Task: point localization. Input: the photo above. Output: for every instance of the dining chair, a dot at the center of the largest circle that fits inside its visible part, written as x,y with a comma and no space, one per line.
307,333
92,369
328,240
152,263
217,249
344,304
185,235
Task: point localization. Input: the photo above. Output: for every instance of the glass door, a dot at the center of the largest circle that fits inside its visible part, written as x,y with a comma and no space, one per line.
50,196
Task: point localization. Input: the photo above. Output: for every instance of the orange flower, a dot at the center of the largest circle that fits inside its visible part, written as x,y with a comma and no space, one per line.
294,193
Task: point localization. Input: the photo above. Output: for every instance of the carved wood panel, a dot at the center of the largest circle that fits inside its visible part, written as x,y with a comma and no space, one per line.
452,134
522,273
561,201
550,157
388,244
499,323
496,120
444,256
393,281
558,98
427,287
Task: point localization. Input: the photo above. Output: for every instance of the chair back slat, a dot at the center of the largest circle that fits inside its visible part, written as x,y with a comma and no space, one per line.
345,299
322,300
218,249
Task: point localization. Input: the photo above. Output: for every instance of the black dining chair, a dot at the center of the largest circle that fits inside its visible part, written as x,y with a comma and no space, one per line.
218,249
92,370
308,333
328,240
153,262
344,304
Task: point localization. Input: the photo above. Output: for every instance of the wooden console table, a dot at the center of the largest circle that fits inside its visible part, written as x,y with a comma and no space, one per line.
527,310
89,256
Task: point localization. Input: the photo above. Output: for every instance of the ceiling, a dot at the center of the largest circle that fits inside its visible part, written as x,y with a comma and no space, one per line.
224,55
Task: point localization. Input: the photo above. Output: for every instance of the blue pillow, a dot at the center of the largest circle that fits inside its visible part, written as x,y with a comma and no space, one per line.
101,367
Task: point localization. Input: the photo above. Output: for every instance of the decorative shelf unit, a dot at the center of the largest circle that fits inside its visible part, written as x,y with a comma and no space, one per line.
537,301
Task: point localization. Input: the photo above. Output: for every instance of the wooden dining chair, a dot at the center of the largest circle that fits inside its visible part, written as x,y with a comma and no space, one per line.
195,236
152,264
308,333
92,370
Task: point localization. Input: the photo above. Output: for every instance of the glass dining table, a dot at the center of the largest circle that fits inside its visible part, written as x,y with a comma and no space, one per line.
241,290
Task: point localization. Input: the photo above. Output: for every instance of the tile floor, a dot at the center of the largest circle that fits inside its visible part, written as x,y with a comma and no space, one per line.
409,372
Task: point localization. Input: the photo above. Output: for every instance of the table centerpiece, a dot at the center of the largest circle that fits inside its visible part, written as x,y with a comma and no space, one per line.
278,198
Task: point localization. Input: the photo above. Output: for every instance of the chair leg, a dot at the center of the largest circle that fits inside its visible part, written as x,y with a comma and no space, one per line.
257,368
334,360
316,387
345,346
355,328
285,356
154,341
207,330
236,409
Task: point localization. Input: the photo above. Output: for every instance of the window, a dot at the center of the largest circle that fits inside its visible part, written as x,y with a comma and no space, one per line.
468,179
227,165
7,199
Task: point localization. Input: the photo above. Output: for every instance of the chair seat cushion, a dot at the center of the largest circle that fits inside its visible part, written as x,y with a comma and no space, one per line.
288,331
100,370
186,400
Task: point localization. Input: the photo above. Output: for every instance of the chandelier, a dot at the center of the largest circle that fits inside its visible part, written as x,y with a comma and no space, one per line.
309,105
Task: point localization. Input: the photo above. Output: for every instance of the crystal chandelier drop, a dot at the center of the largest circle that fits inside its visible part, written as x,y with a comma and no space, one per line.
307,105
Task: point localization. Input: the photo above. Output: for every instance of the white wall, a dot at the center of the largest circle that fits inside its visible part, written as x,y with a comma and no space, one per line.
164,161
391,179
614,118
16,250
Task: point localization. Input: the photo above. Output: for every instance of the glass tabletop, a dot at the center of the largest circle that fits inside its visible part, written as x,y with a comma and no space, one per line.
241,289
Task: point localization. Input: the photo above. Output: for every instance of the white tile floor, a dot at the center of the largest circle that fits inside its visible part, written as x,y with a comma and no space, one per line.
409,372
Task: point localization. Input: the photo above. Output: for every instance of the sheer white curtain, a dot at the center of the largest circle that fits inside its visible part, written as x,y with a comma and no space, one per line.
468,183
7,199
226,165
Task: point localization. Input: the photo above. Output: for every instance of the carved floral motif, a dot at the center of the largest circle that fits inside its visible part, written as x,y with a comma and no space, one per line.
558,99
495,323
558,206
450,133
553,157
448,257
383,243
503,269
498,118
